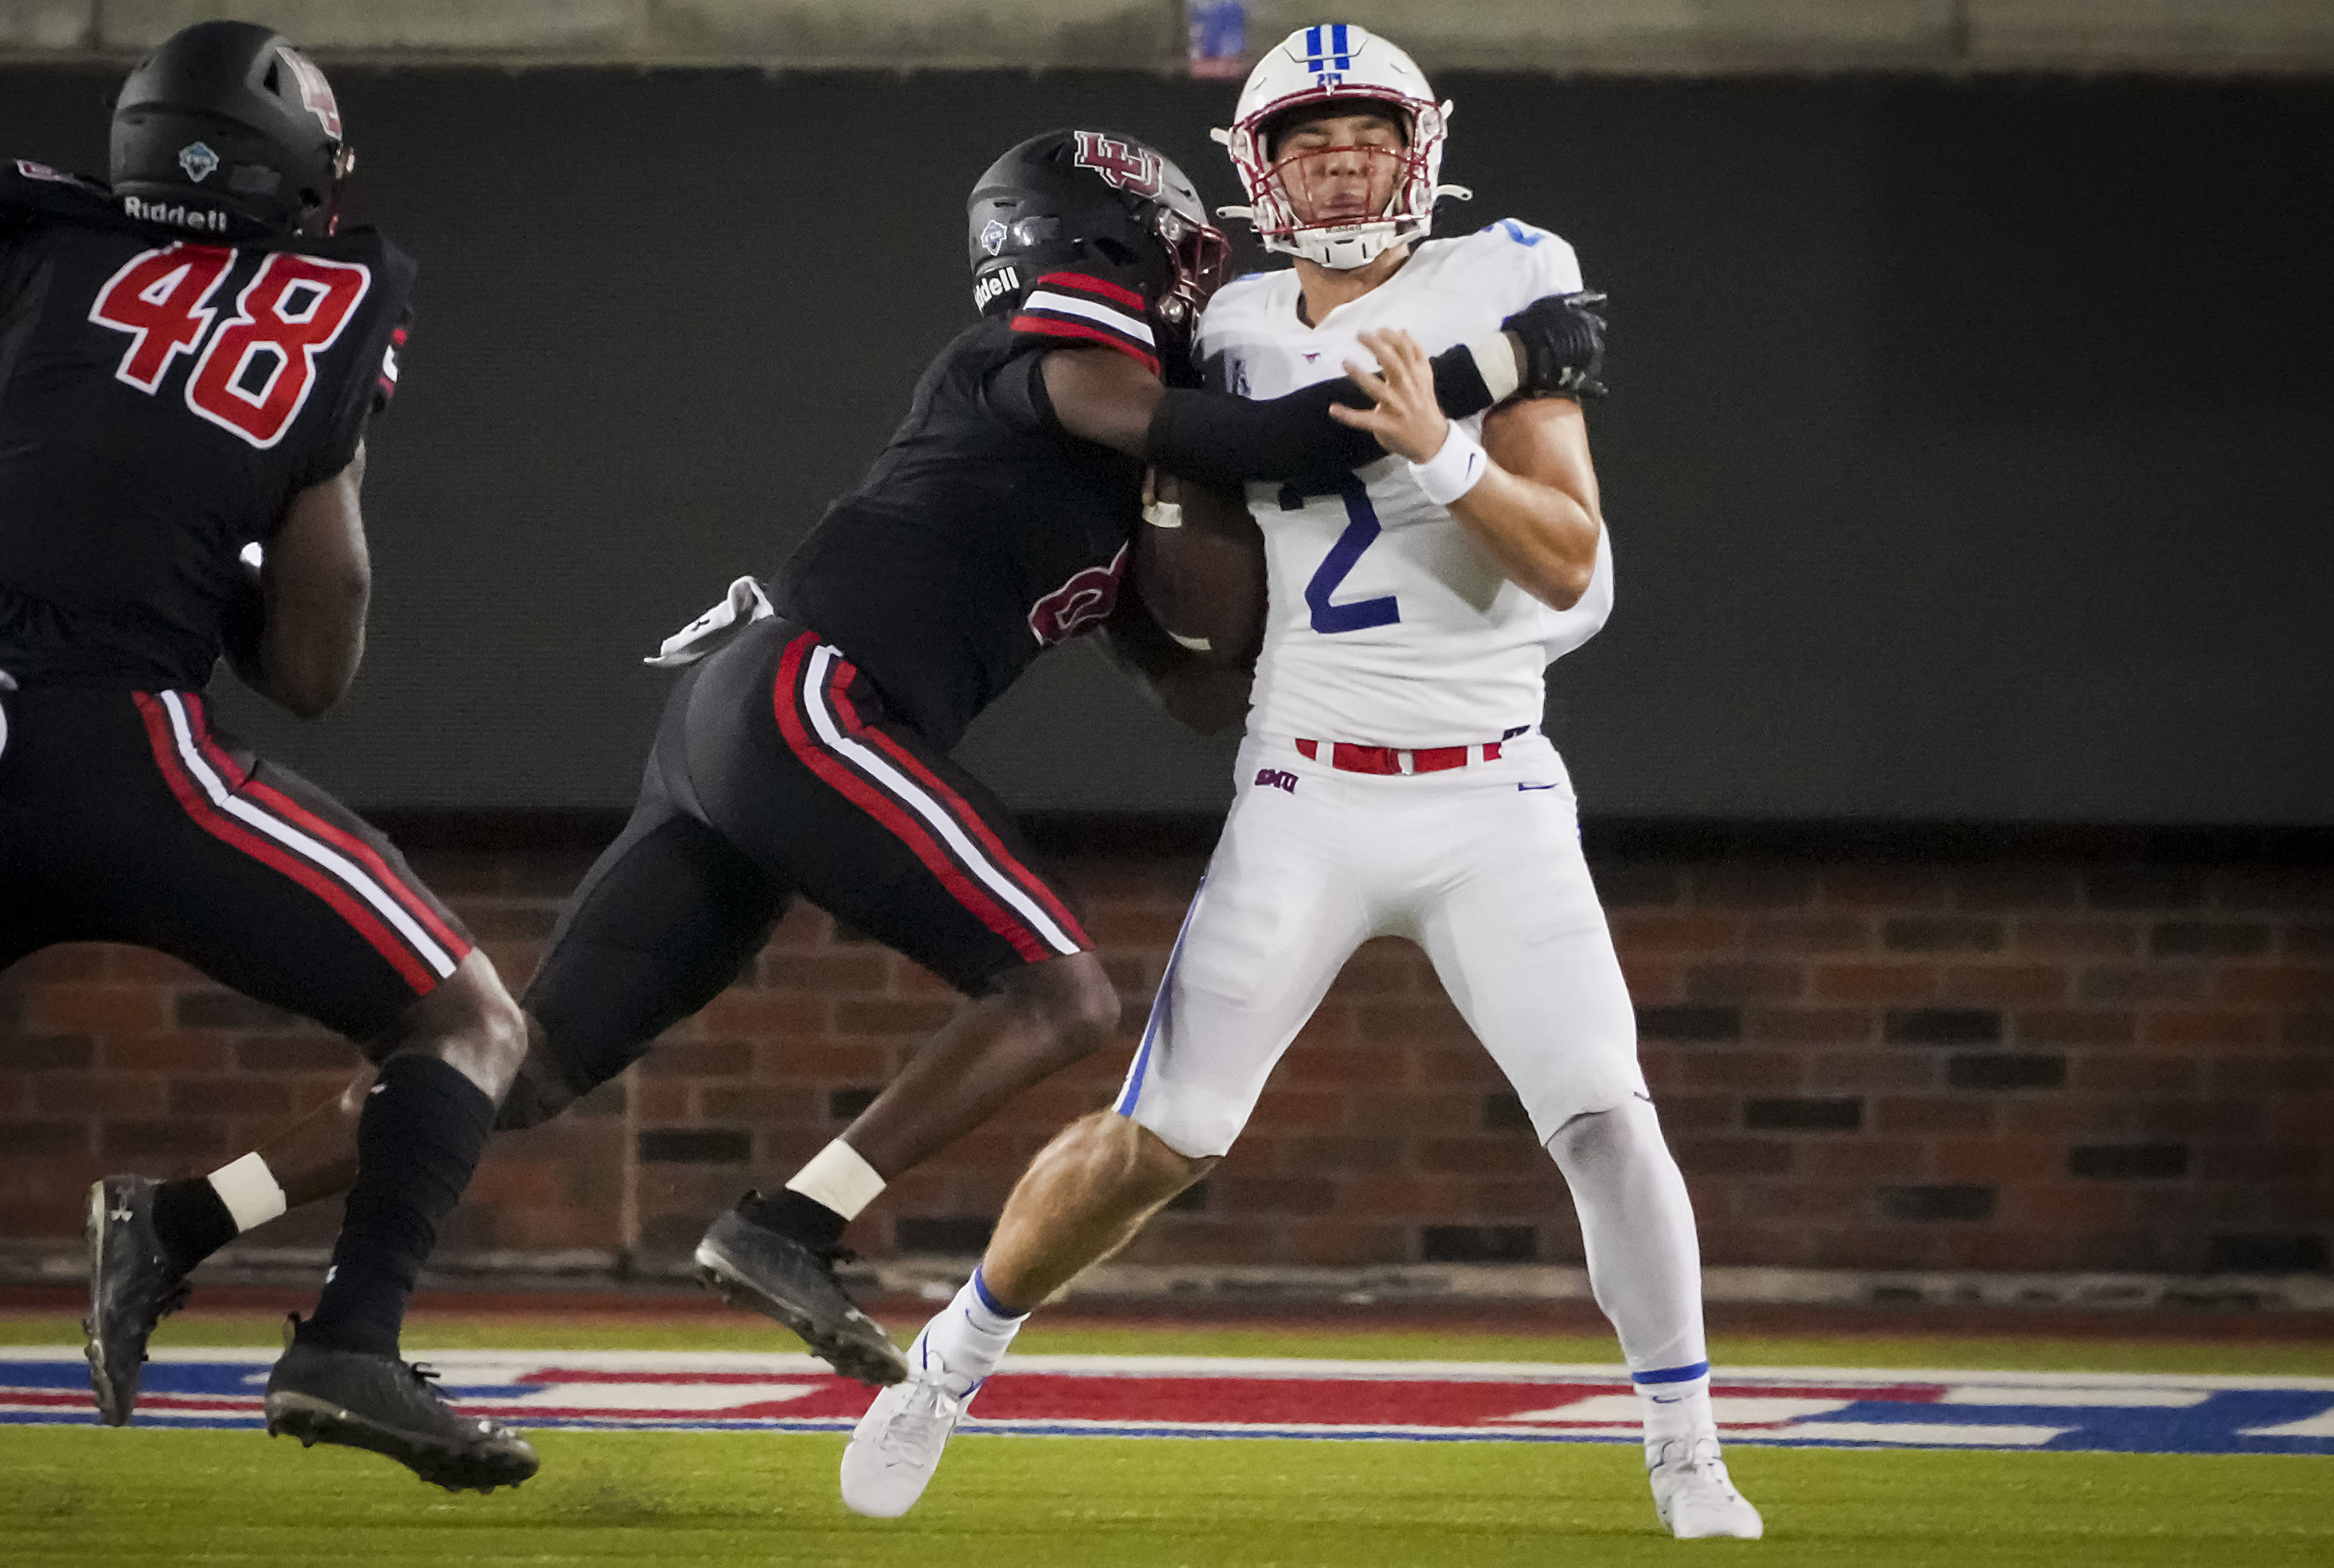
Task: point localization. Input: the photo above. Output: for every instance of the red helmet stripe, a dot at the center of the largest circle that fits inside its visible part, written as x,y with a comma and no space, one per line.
1109,291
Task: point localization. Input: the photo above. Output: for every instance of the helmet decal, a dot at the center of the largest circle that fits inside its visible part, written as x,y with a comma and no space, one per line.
198,160
1327,50
1125,165
315,92
992,237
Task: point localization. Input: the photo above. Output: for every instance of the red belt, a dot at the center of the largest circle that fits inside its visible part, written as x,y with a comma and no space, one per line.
1386,759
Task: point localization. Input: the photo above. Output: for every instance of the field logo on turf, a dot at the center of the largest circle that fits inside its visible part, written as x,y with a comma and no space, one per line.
1178,1397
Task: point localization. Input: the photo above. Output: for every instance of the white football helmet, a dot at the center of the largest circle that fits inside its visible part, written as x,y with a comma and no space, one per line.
1312,65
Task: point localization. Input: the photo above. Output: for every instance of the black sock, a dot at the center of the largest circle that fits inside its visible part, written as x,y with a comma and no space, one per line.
790,1214
191,1221
418,1140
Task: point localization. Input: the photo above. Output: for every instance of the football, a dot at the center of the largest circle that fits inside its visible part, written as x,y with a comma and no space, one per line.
1199,565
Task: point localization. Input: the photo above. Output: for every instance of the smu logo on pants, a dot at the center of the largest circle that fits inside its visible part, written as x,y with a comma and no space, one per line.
1277,778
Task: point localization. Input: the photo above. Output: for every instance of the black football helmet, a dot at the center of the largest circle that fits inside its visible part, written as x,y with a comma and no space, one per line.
228,130
1096,201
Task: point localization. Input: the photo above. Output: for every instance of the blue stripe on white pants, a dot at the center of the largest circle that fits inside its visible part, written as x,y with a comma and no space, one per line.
1132,1089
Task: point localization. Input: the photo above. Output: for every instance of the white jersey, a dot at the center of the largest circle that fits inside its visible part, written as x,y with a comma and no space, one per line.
1387,625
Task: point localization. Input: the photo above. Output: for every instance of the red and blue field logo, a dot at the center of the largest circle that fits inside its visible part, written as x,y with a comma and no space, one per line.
1193,1396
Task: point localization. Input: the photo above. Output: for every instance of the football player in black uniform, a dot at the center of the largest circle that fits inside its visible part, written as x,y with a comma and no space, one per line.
808,755
187,365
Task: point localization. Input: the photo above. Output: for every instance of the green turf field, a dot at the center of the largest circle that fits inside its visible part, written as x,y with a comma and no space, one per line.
82,1496
79,1496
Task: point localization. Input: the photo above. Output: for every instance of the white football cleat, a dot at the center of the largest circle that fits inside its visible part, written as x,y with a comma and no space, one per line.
1694,1496
897,1444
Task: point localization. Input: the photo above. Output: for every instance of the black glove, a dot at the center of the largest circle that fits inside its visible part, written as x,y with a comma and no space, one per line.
1563,344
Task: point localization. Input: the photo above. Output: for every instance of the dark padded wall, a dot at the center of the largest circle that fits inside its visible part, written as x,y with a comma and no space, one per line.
1972,456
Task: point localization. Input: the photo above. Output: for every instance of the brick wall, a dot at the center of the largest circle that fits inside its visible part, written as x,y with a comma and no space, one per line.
2033,1064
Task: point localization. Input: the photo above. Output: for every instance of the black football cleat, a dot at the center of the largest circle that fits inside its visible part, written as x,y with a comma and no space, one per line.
753,1267
388,1406
131,1288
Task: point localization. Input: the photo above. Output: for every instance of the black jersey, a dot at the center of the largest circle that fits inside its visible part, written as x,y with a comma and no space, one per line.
162,399
985,532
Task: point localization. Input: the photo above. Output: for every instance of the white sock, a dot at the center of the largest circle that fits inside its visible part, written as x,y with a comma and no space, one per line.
1645,1264
968,1337
1676,1410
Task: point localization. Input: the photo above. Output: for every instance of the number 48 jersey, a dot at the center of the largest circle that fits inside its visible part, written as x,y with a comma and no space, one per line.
1386,626
162,399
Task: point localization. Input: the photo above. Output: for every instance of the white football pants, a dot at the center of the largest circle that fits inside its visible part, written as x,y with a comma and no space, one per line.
1480,865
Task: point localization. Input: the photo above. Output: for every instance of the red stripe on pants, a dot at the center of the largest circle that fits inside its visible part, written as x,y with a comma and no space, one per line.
301,817
902,826
957,805
232,834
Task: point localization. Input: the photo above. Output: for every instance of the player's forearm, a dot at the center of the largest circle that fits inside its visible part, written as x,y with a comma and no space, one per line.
1221,440
1204,698
1542,539
308,664
1200,694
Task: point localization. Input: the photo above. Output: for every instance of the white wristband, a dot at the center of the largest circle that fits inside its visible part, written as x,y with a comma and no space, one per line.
1495,361
1453,470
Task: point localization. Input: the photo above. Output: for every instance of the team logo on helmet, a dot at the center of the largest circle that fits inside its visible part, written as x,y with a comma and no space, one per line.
198,160
1124,167
992,237
315,92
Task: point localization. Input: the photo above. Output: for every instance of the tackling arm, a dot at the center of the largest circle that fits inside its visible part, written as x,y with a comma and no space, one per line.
1106,397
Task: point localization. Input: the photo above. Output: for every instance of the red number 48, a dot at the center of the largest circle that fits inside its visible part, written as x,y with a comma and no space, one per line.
254,375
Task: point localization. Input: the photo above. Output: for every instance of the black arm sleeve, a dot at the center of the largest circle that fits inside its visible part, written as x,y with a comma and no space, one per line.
1221,440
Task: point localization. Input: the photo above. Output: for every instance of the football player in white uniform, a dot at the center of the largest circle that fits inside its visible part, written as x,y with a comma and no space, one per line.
1393,780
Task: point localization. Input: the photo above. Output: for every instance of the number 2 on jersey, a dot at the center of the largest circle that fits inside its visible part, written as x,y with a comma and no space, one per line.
1362,529
253,376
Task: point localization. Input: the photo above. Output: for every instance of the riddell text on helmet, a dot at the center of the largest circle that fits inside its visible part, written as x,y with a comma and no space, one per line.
209,220
1004,281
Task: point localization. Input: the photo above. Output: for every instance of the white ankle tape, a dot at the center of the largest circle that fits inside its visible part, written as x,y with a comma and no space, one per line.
249,1190
837,1178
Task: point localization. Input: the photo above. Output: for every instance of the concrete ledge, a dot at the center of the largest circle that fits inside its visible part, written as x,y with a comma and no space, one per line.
2250,35
1649,37
937,1279
40,26
1657,37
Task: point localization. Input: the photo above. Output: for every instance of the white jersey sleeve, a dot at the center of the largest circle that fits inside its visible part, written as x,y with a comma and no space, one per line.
1386,626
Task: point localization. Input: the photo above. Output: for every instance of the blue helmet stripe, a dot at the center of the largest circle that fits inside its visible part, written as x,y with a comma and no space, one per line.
1338,46
1313,50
